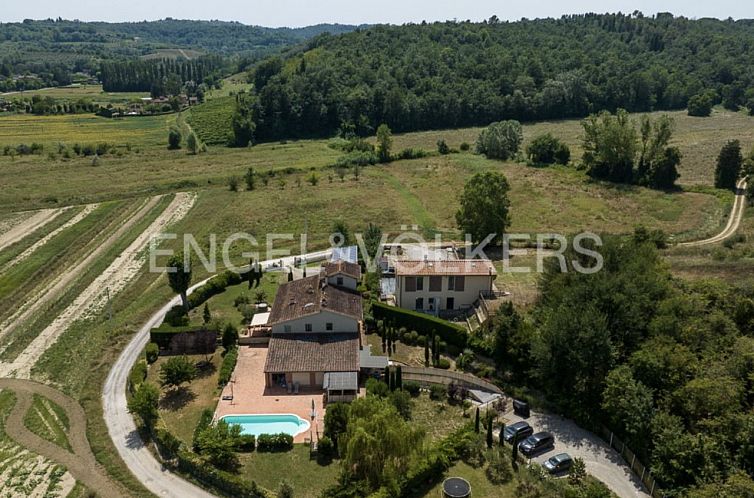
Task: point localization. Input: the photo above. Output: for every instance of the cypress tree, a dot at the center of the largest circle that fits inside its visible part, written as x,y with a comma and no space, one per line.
489,433
476,421
399,378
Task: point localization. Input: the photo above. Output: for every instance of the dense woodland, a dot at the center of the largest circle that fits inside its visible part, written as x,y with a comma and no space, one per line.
667,364
453,74
36,54
160,77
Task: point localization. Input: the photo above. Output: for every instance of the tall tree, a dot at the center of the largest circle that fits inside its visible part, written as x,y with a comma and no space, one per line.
179,276
500,140
384,143
176,371
485,206
144,403
610,146
729,163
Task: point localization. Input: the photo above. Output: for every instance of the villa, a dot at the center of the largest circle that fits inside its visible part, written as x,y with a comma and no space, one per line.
316,325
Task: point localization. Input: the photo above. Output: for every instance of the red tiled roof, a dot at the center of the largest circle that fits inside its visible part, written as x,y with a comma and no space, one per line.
325,352
344,267
446,267
309,296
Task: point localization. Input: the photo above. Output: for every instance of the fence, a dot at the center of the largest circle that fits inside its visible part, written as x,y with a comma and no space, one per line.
439,376
629,456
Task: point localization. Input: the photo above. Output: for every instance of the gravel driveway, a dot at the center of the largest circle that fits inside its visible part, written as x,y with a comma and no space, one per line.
602,462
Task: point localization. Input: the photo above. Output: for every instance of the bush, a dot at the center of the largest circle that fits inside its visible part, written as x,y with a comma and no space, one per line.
438,392
246,443
700,105
214,286
227,366
230,484
138,374
422,323
499,469
152,352
377,388
275,442
176,316
413,388
401,400
465,146
325,447
204,421
500,140
444,364
412,153
357,158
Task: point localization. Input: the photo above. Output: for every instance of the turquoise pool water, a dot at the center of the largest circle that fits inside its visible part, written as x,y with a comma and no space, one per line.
268,424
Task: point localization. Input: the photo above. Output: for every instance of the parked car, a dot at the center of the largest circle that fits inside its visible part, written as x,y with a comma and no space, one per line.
537,443
558,463
520,429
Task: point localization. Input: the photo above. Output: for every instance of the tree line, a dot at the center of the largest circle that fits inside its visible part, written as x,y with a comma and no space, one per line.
461,74
160,77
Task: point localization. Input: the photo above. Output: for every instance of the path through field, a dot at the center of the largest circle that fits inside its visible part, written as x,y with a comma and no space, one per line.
736,214
114,279
68,224
28,225
81,464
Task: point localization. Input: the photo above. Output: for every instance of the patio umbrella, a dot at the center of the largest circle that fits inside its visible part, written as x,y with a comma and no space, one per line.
314,411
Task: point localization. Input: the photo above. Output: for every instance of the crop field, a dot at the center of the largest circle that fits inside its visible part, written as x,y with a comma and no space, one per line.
93,93
211,120
49,421
83,129
172,53
23,473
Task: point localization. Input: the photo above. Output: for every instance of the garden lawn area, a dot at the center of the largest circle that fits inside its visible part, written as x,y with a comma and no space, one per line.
181,409
409,355
438,418
222,306
481,487
308,477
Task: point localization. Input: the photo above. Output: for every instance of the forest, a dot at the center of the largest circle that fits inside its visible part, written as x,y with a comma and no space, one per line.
461,74
36,54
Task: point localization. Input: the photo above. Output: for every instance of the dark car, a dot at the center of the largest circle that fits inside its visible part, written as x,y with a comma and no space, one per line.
536,443
520,429
558,463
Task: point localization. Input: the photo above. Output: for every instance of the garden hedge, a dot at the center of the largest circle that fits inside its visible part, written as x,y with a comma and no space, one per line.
214,286
163,334
275,442
226,482
424,324
227,366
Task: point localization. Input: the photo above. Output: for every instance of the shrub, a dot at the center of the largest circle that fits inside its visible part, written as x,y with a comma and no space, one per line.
377,388
499,469
230,336
325,446
227,366
177,316
275,442
152,352
230,484
444,364
233,183
442,147
401,400
214,286
438,392
246,443
138,374
204,421
465,146
413,388
500,140
700,105
412,153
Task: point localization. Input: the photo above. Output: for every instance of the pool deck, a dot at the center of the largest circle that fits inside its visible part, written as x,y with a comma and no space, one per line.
251,396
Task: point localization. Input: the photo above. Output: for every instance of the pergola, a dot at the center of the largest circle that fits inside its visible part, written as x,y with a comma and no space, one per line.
341,386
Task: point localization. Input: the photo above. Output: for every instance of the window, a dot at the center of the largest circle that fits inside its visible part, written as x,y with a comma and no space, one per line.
431,303
410,284
452,282
308,327
451,303
328,326
420,283
460,283
340,281
435,284
420,303
287,329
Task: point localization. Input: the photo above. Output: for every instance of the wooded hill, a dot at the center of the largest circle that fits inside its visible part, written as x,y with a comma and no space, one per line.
458,74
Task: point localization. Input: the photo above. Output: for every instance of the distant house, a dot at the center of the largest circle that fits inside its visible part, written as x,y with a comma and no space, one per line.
437,286
316,332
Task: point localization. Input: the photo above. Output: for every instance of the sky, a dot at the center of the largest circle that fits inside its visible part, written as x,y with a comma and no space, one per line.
296,13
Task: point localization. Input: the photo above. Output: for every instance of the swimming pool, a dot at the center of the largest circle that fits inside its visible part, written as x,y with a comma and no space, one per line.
269,424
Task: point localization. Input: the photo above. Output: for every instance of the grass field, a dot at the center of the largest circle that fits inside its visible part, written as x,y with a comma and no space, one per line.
49,421
93,93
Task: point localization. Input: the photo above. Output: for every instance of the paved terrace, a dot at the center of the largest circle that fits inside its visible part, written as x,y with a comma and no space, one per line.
250,396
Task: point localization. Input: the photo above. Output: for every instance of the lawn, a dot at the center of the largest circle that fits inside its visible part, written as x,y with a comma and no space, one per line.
481,487
438,418
93,93
181,409
222,306
307,476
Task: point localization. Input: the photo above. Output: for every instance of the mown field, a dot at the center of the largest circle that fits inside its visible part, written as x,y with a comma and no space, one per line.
93,93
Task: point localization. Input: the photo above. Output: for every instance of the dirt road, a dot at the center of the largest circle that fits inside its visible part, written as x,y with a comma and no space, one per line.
81,463
20,230
736,214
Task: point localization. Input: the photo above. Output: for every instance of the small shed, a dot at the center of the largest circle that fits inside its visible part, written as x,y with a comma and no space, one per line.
341,386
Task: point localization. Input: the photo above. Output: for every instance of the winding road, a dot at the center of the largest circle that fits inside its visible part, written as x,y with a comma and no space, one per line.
734,221
120,424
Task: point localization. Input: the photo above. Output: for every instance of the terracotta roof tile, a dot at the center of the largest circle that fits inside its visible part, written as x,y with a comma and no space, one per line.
344,267
309,296
326,352
446,267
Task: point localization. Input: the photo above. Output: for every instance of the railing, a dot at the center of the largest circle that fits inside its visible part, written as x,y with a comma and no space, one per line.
641,471
439,376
